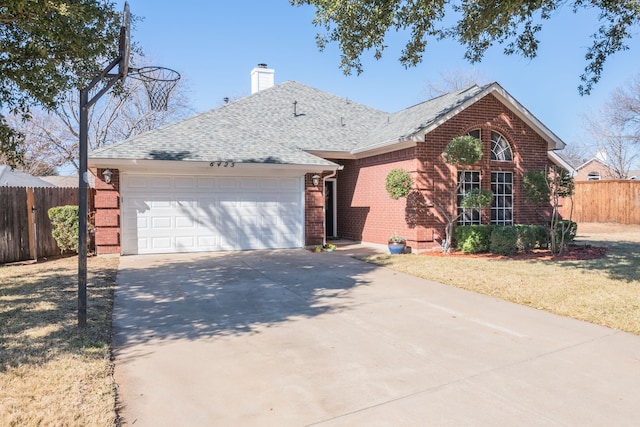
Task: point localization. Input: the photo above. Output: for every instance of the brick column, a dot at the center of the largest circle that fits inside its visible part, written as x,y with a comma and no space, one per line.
107,213
313,212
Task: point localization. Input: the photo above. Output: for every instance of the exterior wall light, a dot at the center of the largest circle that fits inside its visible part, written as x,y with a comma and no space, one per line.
315,179
107,176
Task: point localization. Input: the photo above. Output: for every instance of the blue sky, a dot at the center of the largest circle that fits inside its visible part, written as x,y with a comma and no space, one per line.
215,44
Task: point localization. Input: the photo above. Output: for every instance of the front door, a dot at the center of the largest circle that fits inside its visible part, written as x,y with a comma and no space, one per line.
330,208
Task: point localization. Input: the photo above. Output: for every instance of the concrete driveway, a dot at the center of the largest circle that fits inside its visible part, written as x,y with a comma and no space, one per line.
293,338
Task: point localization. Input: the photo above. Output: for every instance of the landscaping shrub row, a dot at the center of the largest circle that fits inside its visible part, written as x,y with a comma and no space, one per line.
507,240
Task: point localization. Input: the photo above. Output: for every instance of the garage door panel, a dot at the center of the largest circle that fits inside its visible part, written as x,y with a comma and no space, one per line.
159,204
227,183
269,220
249,184
184,183
209,241
160,242
185,241
183,222
187,214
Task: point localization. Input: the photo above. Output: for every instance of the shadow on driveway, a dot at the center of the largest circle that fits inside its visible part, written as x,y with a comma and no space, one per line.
194,296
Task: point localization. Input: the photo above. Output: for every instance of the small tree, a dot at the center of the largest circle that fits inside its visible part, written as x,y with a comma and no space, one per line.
549,186
462,151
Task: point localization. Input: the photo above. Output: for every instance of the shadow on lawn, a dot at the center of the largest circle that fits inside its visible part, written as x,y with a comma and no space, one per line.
220,294
38,312
621,262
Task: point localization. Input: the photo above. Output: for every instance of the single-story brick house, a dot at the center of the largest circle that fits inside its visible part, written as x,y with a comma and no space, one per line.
291,165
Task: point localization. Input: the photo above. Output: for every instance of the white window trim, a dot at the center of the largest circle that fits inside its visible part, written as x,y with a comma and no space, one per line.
495,208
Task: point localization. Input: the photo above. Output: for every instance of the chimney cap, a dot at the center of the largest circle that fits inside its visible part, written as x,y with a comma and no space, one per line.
262,65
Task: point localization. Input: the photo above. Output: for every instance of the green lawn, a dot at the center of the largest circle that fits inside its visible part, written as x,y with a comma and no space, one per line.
604,291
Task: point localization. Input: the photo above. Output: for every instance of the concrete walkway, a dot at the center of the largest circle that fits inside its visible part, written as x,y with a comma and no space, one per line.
293,338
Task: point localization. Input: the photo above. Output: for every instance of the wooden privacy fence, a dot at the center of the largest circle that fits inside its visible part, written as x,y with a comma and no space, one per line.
25,228
605,201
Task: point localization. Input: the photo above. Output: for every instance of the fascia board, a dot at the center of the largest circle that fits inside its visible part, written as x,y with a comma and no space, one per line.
554,142
561,162
171,166
385,147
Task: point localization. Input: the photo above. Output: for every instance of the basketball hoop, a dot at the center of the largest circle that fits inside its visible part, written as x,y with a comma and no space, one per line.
159,82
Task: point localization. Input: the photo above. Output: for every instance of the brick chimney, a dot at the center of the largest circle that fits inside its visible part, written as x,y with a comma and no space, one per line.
261,78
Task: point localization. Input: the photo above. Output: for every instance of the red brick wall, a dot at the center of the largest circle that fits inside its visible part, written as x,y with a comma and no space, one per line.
313,212
365,211
107,213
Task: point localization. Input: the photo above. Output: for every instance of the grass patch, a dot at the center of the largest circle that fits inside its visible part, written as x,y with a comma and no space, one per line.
604,291
51,372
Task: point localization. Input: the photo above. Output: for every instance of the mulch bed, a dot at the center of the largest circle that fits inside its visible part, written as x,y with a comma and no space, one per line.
573,252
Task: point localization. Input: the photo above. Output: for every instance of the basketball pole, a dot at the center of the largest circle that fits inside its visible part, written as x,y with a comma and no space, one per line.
83,184
167,79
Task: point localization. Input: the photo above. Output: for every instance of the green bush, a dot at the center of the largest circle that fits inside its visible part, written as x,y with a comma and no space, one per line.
542,236
570,229
473,239
504,240
65,227
526,237
399,183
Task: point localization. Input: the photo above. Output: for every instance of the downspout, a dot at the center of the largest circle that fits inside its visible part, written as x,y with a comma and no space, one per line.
324,205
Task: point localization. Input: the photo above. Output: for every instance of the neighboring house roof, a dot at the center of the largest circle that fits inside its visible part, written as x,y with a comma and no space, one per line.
70,181
288,123
591,162
62,181
16,178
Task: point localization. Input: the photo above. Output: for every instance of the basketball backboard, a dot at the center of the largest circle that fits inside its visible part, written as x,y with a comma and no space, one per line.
125,43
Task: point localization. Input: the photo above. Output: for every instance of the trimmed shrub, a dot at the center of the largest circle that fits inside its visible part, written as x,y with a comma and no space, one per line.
398,183
65,227
526,237
542,236
504,240
570,230
473,239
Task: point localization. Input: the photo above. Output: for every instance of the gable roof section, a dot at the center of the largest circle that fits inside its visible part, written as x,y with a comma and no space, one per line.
591,161
16,178
407,124
260,128
413,123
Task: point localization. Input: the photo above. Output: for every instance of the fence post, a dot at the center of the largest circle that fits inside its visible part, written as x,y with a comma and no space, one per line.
31,225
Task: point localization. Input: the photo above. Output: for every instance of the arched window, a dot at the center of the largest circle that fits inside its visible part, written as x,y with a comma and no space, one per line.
475,133
593,176
500,149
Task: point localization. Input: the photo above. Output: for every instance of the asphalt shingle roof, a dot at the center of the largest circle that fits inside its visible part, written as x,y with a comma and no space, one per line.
258,128
280,125
16,178
405,123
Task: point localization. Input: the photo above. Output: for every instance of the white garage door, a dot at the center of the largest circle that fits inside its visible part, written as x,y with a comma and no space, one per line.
163,214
